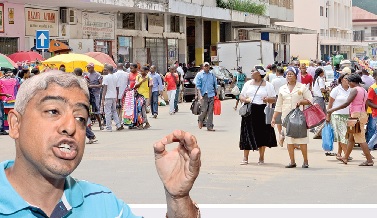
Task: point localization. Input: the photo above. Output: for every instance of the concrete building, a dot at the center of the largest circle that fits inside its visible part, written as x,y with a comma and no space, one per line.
332,19
365,30
157,32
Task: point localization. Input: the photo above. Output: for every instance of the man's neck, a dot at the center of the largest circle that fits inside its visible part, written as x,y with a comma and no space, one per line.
38,191
206,71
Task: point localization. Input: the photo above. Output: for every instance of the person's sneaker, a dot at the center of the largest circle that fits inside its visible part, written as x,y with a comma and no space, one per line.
91,141
101,128
120,128
155,116
4,132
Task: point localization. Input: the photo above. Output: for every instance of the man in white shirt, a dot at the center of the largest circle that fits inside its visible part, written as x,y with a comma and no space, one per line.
122,83
311,69
109,96
177,93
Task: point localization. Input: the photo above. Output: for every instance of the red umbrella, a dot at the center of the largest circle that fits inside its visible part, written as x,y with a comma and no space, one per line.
23,56
102,58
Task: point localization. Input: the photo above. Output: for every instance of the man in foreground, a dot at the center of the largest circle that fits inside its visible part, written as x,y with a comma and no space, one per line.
48,126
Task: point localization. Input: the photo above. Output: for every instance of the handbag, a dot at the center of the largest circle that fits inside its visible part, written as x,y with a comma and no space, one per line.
245,110
314,116
296,124
353,125
236,91
195,107
269,111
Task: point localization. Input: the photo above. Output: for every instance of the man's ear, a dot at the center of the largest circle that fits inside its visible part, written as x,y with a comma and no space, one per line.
14,120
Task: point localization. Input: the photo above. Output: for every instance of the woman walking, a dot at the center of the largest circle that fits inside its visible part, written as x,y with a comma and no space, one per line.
171,80
339,96
239,80
319,88
292,95
255,133
356,102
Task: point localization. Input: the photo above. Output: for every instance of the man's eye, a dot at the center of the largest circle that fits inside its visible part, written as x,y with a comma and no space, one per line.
53,112
81,119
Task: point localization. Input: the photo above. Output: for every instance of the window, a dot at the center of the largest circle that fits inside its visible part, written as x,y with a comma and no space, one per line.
374,31
127,21
124,49
321,11
322,32
327,12
174,24
8,45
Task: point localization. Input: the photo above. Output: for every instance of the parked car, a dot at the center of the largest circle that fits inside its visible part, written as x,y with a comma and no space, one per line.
224,80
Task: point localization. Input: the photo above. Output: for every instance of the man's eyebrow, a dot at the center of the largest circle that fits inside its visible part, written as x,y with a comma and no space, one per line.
82,105
55,98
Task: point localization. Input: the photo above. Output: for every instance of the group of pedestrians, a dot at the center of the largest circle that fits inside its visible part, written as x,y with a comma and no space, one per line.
348,99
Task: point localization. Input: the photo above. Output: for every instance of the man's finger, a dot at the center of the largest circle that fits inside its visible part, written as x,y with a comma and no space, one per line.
159,150
194,165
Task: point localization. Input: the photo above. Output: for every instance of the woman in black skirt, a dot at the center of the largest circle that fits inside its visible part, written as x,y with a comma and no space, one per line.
255,133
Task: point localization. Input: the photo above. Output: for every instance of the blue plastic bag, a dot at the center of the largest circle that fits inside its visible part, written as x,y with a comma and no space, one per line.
327,137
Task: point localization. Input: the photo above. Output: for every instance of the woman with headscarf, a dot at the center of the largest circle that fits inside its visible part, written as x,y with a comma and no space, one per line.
357,104
255,133
292,95
319,88
239,80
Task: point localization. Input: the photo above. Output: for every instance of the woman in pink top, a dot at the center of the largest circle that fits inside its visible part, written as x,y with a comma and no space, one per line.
356,100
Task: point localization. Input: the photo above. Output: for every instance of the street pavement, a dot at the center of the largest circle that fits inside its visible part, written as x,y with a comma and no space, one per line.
124,162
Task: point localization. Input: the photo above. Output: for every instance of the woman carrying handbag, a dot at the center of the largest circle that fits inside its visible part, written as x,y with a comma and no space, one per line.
290,96
357,103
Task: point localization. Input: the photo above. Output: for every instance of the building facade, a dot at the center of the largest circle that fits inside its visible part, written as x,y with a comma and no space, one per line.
158,32
365,31
332,19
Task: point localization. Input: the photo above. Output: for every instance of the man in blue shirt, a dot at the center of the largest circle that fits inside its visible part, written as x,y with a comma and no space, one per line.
48,126
206,83
157,89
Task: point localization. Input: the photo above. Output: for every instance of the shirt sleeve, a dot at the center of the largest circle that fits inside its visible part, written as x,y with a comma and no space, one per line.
125,211
104,81
371,94
270,90
198,81
279,102
321,83
244,88
307,94
334,92
161,88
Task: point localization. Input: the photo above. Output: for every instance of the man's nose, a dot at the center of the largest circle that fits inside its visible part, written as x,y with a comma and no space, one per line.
68,126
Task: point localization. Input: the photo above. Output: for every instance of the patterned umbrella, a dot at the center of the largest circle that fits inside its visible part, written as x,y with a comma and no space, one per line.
6,62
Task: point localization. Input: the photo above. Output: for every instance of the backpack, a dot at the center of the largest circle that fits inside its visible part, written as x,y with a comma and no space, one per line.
195,107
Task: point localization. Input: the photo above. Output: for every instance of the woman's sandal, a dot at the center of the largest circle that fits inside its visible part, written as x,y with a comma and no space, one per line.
366,164
341,160
235,108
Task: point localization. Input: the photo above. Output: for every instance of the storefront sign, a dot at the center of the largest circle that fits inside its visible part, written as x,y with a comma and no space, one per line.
81,46
98,26
39,19
11,15
1,18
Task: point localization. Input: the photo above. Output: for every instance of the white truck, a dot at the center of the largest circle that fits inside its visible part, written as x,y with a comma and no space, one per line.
246,54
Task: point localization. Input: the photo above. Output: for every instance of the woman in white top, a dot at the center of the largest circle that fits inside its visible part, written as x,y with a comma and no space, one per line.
255,133
292,95
339,96
319,88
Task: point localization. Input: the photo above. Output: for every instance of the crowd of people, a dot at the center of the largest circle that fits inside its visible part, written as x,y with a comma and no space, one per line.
352,94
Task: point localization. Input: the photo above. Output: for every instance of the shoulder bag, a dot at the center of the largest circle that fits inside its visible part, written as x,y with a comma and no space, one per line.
235,91
353,124
245,110
314,116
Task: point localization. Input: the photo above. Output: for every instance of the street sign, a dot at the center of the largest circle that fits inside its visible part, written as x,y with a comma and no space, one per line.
43,39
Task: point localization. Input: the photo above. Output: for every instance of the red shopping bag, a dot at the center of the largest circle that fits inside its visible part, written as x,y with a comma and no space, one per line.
314,116
216,106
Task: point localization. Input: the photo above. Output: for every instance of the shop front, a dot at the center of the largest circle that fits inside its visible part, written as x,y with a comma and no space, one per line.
124,49
100,28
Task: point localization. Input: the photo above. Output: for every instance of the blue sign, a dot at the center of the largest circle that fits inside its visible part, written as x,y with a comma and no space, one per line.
43,39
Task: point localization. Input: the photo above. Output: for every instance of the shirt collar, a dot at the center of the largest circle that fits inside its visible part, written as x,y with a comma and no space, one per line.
11,201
